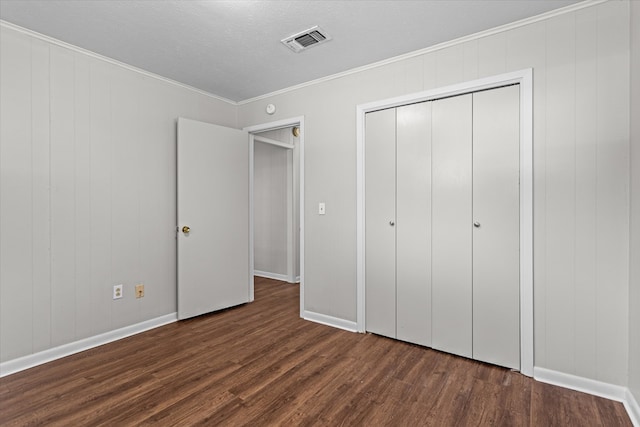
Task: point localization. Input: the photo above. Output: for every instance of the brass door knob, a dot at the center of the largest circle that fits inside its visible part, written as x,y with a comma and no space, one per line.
185,229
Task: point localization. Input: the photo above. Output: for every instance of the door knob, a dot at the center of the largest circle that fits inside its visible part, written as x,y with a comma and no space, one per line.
185,229
476,224
391,223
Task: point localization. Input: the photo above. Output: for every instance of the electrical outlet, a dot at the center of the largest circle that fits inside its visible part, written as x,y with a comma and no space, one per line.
117,291
139,290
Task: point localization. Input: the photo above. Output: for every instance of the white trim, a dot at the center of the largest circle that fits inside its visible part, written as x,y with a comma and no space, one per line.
585,385
360,235
460,40
527,21
91,54
266,140
594,387
279,124
251,242
297,279
275,276
335,322
292,228
632,407
26,362
526,223
302,220
525,79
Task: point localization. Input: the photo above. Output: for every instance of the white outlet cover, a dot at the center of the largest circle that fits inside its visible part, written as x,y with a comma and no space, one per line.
118,291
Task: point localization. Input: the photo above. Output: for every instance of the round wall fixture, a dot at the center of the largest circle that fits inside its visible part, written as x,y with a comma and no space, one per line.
270,109
295,131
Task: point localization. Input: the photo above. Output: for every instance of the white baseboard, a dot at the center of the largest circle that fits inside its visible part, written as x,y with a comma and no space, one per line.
275,276
585,385
633,409
594,387
16,365
347,325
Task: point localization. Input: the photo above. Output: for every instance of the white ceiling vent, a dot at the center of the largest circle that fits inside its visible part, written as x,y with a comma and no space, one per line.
306,39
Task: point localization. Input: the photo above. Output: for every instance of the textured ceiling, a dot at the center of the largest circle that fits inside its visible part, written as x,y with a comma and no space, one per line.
232,48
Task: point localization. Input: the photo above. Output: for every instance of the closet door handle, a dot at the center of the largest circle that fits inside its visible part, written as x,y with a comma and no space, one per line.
391,223
476,224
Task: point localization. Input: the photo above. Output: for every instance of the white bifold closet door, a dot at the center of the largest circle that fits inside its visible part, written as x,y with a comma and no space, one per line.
413,218
451,197
380,234
397,223
496,239
442,225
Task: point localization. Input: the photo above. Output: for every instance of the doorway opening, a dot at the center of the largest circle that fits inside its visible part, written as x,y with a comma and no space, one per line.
276,211
276,201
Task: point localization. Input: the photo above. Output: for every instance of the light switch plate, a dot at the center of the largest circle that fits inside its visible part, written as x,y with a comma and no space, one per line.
321,208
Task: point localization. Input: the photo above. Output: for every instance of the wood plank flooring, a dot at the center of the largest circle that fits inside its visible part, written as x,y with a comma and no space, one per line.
260,364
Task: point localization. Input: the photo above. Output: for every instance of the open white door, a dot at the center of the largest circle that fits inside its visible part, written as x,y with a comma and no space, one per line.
213,218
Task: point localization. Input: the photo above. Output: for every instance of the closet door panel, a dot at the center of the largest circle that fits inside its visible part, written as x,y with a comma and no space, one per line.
413,223
451,225
496,258
380,240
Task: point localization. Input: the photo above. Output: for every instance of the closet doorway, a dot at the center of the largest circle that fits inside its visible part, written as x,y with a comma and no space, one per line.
371,283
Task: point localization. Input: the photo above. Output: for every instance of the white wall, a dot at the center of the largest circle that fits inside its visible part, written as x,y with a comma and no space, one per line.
634,282
581,175
87,192
276,206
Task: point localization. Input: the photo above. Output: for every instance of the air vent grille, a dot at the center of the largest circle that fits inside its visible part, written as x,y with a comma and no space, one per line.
306,39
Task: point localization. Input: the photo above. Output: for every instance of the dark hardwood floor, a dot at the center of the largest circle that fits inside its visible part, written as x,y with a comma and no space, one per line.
260,364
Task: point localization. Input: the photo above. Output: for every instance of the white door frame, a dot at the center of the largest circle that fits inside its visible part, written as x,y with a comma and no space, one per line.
279,124
525,79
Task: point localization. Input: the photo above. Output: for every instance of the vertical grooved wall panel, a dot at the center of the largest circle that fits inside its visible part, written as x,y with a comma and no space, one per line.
612,206
87,193
471,56
63,201
585,194
100,201
492,55
16,203
560,180
124,194
41,262
157,266
82,171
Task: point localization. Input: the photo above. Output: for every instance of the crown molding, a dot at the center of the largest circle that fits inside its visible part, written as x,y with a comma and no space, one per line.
475,36
440,46
39,36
